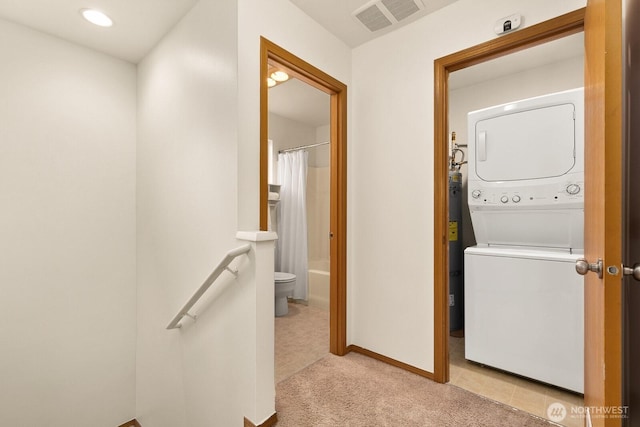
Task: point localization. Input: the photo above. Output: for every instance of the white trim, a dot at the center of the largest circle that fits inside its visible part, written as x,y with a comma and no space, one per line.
256,236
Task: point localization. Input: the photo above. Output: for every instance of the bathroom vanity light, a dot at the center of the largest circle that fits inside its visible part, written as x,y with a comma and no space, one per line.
96,17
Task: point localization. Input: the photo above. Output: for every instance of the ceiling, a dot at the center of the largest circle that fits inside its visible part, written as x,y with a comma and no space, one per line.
336,16
138,24
301,102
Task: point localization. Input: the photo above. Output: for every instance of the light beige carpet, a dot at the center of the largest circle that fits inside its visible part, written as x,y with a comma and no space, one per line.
355,390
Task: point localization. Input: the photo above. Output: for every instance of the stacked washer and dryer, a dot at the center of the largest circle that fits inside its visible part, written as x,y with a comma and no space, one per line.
523,299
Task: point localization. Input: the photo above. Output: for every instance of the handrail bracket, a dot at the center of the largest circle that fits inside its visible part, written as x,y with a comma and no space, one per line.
234,272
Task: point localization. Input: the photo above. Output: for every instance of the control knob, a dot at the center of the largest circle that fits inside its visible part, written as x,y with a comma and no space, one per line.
476,194
504,199
516,199
573,189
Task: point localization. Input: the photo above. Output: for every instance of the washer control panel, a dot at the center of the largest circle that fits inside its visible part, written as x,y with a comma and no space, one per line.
544,195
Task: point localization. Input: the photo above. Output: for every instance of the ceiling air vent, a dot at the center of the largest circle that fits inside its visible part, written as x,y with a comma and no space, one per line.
379,14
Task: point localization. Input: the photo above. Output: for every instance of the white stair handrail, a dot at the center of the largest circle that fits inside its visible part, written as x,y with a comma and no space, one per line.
223,265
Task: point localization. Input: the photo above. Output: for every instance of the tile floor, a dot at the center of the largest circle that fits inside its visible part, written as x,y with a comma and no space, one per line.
515,391
302,337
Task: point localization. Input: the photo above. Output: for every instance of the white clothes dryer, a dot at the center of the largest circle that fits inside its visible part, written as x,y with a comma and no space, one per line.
526,172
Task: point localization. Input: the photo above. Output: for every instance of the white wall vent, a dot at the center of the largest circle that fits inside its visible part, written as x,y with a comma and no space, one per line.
379,14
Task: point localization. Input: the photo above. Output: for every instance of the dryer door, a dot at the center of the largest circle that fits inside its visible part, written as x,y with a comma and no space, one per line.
531,144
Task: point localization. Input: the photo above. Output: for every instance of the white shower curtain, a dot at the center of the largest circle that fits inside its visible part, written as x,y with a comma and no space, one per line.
292,227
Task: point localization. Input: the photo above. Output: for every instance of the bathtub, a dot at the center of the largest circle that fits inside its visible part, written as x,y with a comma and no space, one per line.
319,284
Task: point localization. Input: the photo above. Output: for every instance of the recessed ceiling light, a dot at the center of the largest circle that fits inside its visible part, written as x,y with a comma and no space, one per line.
96,17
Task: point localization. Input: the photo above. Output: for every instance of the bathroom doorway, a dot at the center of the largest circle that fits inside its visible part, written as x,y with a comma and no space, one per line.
299,178
275,57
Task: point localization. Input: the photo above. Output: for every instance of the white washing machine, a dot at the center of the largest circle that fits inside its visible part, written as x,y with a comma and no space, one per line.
523,299
524,314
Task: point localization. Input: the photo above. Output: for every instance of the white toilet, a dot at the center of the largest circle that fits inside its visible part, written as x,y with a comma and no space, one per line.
284,284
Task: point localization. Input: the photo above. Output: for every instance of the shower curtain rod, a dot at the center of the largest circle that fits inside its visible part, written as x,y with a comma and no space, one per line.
303,147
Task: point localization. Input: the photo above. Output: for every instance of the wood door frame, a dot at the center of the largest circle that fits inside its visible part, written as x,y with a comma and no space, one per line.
562,26
302,70
603,206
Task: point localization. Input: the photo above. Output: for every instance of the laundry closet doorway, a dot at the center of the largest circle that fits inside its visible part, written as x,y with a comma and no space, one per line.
518,323
602,29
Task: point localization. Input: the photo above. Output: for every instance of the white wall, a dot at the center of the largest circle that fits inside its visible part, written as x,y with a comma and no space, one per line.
67,233
287,133
202,374
320,205
318,212
391,172
321,156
